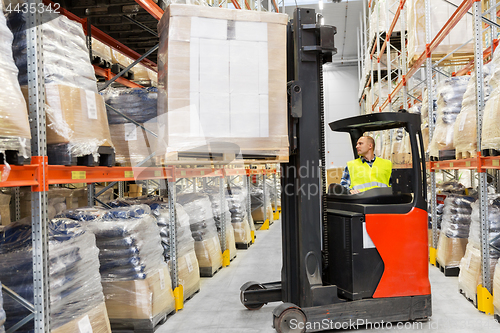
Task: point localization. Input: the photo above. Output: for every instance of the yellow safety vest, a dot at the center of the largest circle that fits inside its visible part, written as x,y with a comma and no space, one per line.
364,177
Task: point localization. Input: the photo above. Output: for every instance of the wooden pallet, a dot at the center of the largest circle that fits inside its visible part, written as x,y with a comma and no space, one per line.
448,271
208,272
138,325
183,159
117,68
468,297
243,246
460,155
490,152
456,59
13,157
191,296
60,154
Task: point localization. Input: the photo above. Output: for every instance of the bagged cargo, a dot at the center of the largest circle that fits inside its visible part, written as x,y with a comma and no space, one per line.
75,283
237,202
222,81
491,116
496,289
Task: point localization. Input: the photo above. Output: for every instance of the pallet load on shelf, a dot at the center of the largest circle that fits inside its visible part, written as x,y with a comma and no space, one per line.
257,201
215,198
142,74
275,192
490,144
2,312
425,118
77,125
5,208
15,131
133,143
379,15
237,202
470,265
101,53
440,14
204,231
222,82
400,148
454,232
135,279
496,291
464,132
450,93
76,295
386,144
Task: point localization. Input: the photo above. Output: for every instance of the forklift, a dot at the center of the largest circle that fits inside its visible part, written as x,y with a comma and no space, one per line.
349,260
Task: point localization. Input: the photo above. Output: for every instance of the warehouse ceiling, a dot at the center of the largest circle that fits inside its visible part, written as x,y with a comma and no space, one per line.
125,21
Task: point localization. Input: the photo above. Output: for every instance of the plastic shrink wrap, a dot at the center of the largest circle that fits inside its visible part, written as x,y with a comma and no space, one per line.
464,132
141,72
455,225
379,17
491,117
220,208
76,115
2,312
237,198
222,81
496,289
470,265
450,94
135,279
274,191
425,118
4,208
14,124
257,201
440,13
76,294
204,231
101,50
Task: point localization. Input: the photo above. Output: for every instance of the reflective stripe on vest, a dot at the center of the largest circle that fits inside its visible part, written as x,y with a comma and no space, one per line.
371,184
363,177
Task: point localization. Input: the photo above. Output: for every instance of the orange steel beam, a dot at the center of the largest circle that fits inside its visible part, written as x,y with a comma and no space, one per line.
275,6
391,28
151,7
20,175
450,24
197,172
235,4
106,73
106,39
486,54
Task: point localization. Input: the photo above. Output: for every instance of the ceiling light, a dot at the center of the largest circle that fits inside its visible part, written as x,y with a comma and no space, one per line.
320,4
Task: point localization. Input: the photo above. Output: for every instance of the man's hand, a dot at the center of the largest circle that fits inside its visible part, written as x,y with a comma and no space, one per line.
355,191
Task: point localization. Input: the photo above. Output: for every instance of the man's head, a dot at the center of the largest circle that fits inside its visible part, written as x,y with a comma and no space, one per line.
365,146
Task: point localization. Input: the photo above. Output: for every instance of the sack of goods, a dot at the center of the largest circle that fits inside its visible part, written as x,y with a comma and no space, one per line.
450,93
464,132
2,312
496,289
77,124
470,265
220,209
133,143
222,81
424,116
257,199
135,279
5,208
15,131
491,117
274,192
454,230
201,218
76,295
237,198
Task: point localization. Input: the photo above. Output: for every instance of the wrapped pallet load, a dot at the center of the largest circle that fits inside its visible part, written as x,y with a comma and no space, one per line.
464,132
470,265
77,125
490,143
15,131
4,208
450,93
496,290
237,198
76,295
425,118
222,81
379,20
220,208
101,53
2,312
259,201
204,231
135,279
133,144
454,231
440,13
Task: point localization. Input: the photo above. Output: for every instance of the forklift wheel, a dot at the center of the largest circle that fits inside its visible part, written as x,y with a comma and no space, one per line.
291,320
251,306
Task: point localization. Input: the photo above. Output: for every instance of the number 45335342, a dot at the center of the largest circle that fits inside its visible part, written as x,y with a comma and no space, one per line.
32,8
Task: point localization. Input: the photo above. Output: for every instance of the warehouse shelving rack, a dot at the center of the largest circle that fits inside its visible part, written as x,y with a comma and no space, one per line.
39,174
477,164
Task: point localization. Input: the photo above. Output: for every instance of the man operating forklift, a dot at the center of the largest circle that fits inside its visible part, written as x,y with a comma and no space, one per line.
367,171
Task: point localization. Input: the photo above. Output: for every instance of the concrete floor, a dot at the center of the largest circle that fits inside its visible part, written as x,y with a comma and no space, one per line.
217,308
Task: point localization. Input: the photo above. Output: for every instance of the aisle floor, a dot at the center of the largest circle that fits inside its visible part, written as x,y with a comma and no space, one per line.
217,308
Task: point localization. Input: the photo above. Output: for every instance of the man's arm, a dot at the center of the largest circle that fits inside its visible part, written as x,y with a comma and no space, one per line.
346,179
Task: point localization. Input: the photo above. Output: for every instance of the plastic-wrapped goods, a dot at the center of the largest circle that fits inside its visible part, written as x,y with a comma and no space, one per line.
75,284
496,289
101,50
491,117
134,144
2,312
4,208
135,278
440,13
386,145
464,132
450,94
257,200
141,72
139,104
189,273
237,202
425,118
204,231
379,15
455,225
14,124
222,81
219,211
274,191
470,272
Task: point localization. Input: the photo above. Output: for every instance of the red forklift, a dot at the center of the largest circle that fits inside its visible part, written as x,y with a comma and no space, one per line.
349,260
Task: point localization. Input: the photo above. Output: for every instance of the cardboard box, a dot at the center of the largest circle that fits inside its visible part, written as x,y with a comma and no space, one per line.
4,208
222,81
242,232
133,144
140,299
450,250
334,175
96,320
209,253
189,273
258,214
